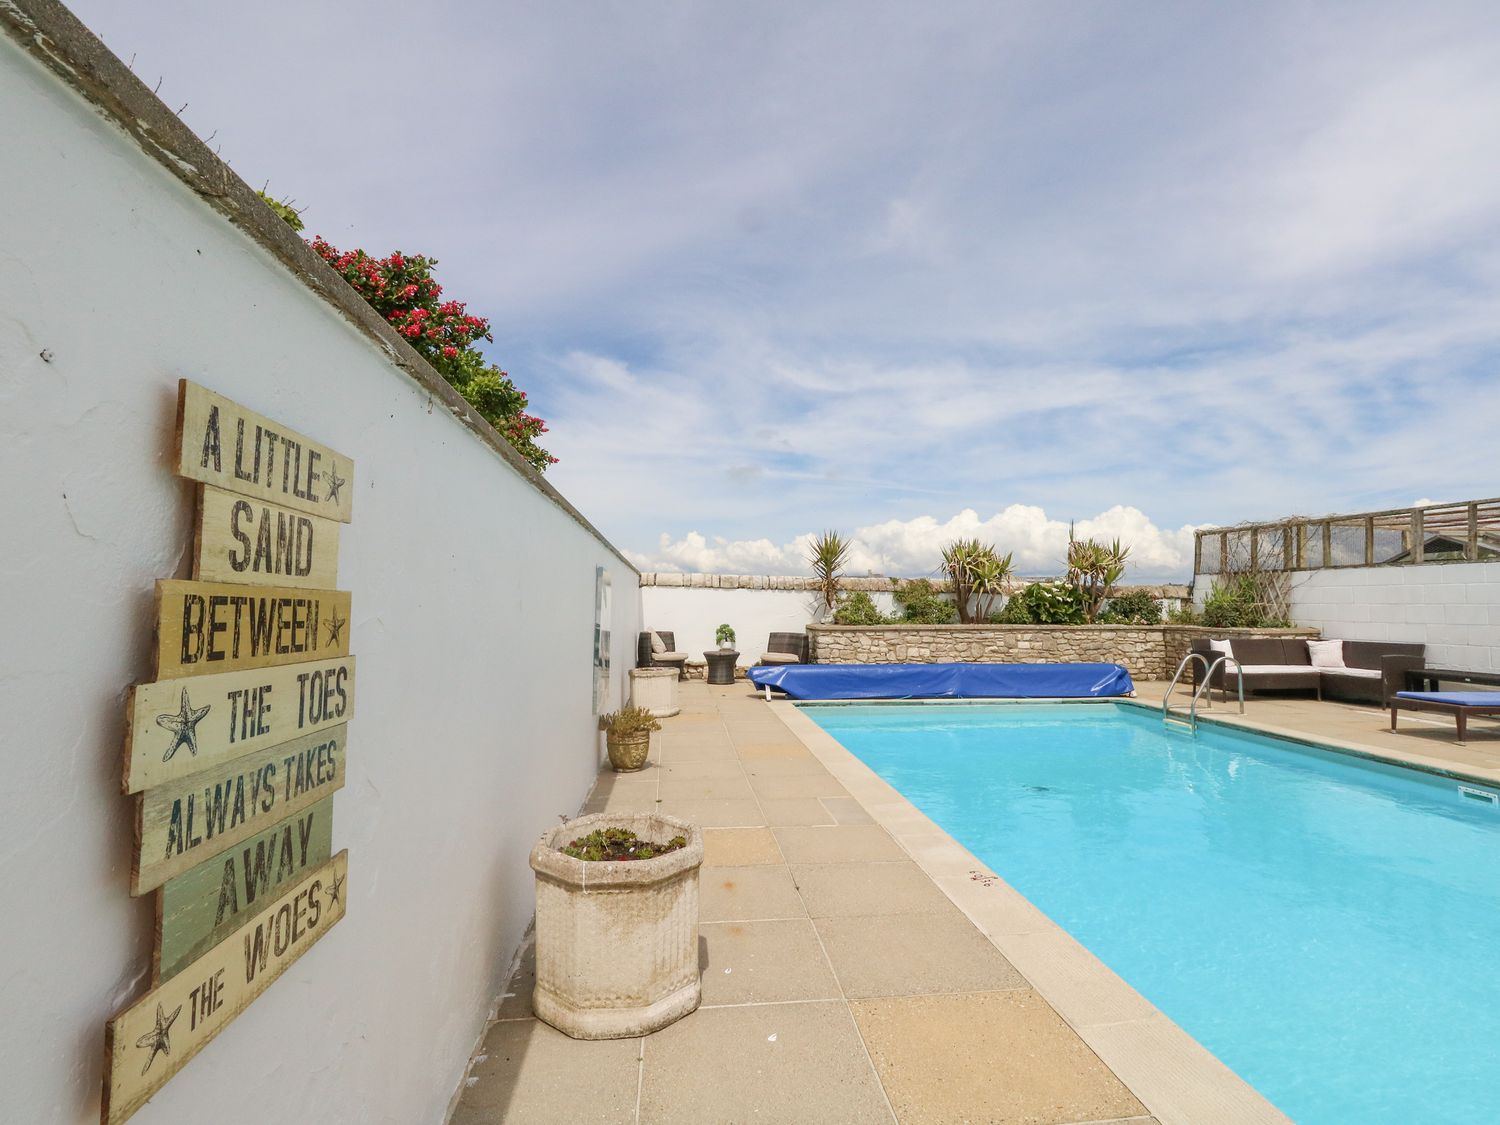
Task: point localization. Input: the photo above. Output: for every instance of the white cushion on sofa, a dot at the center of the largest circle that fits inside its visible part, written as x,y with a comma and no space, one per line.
1225,649
1362,673
1326,654
1275,669
658,646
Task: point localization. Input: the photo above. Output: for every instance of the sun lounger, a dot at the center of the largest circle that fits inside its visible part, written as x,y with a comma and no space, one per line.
1459,704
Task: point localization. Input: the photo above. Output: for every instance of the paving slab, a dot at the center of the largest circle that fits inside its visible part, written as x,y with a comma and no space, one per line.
764,961
637,799
722,788
846,810
783,767
695,770
775,788
783,1063
833,890
763,891
535,1074
739,847
787,750
1000,1057
911,954
844,843
687,750
797,810
713,813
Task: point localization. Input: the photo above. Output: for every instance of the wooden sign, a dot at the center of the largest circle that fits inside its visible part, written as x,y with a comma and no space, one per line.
201,907
184,823
244,540
207,627
178,727
150,1041
226,445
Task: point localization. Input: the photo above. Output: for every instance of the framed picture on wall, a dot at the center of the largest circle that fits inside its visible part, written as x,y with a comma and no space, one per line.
603,605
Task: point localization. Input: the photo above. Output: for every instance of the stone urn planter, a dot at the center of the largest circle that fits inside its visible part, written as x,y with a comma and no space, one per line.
627,737
655,690
616,941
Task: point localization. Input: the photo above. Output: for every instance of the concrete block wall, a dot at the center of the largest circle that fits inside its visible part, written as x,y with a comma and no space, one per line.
1452,607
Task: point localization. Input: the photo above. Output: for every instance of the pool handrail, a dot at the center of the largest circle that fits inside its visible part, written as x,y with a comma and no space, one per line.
1203,690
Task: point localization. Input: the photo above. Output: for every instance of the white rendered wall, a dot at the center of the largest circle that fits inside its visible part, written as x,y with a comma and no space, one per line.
1453,608
473,618
693,613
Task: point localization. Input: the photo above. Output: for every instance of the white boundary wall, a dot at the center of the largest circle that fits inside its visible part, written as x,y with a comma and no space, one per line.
1453,608
693,613
473,620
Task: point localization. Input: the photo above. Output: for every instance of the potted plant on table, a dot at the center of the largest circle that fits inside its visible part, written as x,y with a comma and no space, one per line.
617,924
627,736
725,636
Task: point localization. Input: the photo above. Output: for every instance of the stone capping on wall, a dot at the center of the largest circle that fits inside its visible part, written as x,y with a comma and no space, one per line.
55,37
874,584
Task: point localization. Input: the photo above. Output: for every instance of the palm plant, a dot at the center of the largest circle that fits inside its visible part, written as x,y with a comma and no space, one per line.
1093,570
827,557
978,575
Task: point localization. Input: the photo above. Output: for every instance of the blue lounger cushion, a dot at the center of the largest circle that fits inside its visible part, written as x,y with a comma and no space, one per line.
1454,698
945,681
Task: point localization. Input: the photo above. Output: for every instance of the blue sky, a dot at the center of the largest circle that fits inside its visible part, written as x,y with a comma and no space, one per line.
915,271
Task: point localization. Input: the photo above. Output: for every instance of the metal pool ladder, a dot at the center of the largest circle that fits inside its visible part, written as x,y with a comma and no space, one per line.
1202,691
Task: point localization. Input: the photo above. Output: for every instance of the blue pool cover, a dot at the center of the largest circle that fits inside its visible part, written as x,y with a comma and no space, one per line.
944,681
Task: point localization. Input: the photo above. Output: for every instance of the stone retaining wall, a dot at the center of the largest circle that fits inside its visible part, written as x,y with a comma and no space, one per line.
1148,652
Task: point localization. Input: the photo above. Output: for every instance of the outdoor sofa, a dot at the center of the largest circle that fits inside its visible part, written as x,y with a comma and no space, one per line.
1357,671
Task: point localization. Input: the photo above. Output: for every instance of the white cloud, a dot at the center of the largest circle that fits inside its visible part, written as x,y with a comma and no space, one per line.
912,547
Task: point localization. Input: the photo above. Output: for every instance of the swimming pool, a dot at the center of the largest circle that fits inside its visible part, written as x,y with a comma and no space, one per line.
1327,925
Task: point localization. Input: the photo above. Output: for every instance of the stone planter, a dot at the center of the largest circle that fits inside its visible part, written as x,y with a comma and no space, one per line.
628,752
655,689
616,943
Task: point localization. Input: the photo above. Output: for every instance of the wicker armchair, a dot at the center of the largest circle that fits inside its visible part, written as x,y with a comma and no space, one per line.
785,648
671,658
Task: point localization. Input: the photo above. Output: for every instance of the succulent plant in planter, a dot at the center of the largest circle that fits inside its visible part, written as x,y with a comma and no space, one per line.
724,635
627,735
616,927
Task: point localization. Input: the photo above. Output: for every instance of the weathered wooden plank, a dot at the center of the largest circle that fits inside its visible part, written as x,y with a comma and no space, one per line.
230,446
178,727
201,907
187,822
239,539
213,627
151,1040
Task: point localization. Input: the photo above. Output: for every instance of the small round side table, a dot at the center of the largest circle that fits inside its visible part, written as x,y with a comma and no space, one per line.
721,665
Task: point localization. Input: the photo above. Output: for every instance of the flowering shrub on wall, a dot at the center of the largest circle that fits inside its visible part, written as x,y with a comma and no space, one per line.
401,288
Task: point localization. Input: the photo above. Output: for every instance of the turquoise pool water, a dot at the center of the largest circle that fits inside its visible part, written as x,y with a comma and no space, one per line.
1329,927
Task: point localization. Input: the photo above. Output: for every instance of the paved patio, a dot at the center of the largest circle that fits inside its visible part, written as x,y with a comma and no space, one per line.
840,982
860,966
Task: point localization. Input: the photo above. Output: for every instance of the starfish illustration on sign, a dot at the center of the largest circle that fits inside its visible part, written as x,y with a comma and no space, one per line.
184,725
335,482
335,889
336,628
158,1038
